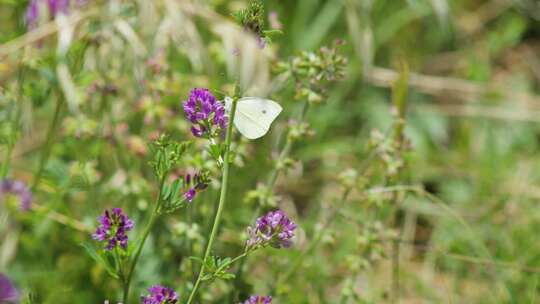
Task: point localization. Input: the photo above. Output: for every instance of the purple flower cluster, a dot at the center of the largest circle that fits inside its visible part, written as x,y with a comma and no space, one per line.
193,184
160,295
113,227
274,229
205,112
54,7
19,189
259,300
8,293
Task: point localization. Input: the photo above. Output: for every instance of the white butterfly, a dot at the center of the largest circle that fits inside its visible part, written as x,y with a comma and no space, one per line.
254,115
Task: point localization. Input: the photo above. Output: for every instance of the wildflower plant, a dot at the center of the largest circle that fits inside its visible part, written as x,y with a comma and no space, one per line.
121,124
311,73
258,300
160,295
39,9
17,189
113,228
119,233
280,227
273,229
119,258
252,18
8,292
206,113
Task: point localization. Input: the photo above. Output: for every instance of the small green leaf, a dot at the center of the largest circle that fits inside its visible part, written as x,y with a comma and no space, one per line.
207,277
196,259
99,259
227,276
272,33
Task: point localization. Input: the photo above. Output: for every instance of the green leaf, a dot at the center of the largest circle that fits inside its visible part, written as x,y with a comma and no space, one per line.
224,264
166,193
227,276
196,259
400,89
9,2
207,277
272,33
176,185
92,252
215,150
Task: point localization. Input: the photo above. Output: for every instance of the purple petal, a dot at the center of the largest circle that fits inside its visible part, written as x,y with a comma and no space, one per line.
8,293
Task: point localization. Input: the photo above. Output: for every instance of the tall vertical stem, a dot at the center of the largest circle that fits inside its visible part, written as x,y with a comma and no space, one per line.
147,229
222,199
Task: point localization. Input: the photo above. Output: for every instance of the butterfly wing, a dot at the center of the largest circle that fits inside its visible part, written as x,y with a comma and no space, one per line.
254,116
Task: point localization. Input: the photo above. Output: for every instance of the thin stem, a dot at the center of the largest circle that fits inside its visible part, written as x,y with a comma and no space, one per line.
48,141
220,159
7,157
15,125
5,164
129,276
118,264
395,272
222,199
243,255
61,218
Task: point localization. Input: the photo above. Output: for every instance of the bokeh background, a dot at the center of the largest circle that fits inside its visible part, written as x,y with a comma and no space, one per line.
88,92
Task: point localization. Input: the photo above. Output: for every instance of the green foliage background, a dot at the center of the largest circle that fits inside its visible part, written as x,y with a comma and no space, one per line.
472,120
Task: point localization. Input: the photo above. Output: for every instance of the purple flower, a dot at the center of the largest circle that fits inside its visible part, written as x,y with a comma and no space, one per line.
53,6
274,229
274,20
160,295
192,184
113,228
8,293
32,13
261,42
190,194
19,189
259,300
205,112
56,6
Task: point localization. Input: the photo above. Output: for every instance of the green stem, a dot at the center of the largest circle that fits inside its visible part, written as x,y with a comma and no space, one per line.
222,198
14,126
395,272
118,264
147,229
48,141
7,157
16,121
243,255
220,159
